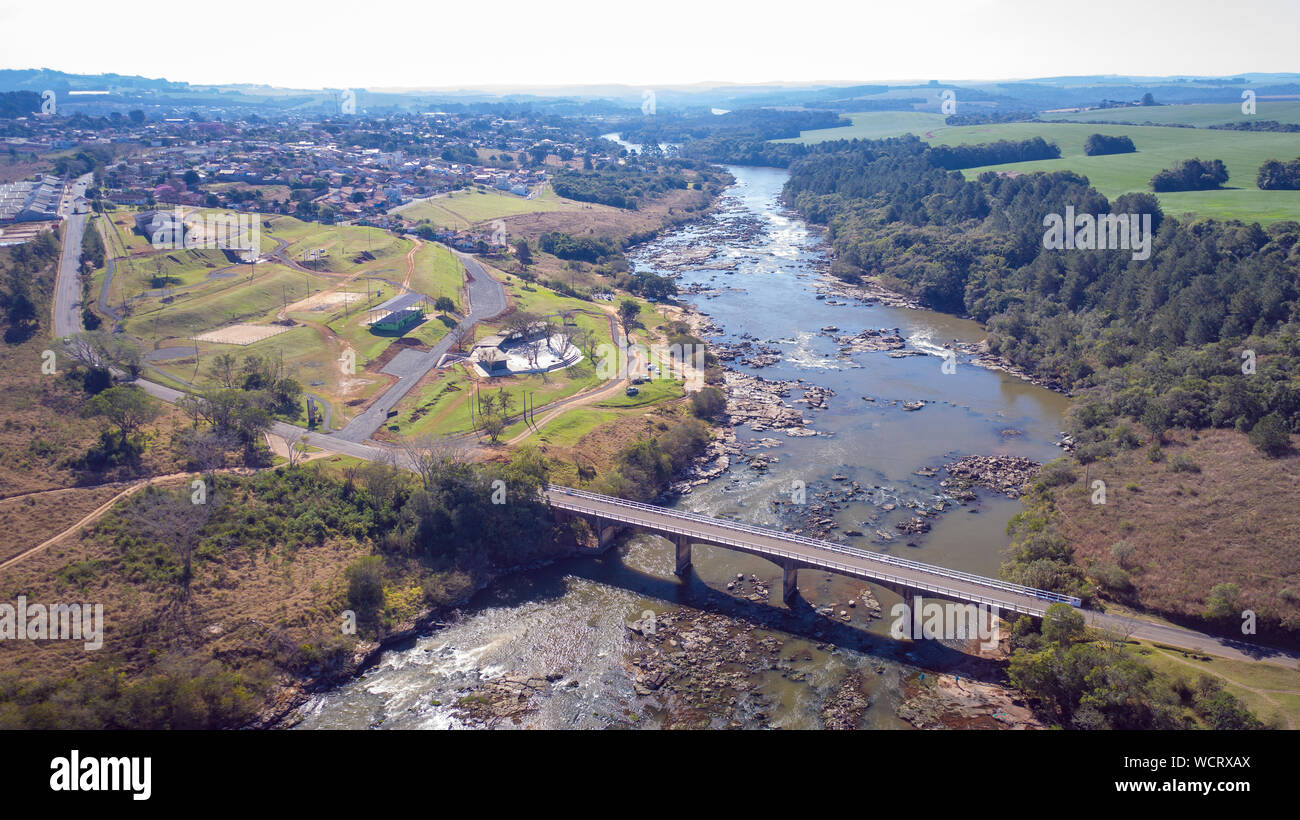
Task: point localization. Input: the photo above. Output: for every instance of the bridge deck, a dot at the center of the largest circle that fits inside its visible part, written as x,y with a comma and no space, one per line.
810,552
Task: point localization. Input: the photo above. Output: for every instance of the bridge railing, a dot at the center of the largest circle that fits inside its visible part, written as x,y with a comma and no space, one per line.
637,519
751,529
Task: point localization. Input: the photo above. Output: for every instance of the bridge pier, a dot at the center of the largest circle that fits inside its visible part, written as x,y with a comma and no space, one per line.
683,556
789,580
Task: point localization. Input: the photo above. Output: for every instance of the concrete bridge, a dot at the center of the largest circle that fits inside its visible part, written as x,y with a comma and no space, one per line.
607,515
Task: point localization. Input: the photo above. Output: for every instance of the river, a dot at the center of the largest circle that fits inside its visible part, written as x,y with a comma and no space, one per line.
563,626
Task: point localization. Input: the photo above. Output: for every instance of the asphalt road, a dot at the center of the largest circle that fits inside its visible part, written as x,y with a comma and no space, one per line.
487,298
67,285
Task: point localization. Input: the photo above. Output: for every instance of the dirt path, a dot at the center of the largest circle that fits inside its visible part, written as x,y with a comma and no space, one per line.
98,512
1263,693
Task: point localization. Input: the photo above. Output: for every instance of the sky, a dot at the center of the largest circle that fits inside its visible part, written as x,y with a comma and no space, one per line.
431,44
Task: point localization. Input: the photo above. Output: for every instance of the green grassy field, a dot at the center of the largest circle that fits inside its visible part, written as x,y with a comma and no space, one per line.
567,429
219,303
344,247
461,209
1157,148
655,390
874,125
438,273
1270,691
1197,115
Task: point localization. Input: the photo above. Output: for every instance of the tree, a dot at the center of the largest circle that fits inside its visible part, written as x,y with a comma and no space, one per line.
522,251
433,458
493,424
126,406
173,520
1271,436
1063,624
627,313
444,305
224,370
708,402
1224,602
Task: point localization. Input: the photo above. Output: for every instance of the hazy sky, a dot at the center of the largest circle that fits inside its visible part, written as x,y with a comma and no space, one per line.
437,44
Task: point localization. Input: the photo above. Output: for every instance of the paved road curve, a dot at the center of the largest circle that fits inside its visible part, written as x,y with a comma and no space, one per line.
487,298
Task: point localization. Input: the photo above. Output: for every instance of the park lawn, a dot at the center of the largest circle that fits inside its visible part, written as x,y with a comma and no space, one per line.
1157,148
1200,115
432,329
462,209
219,303
1241,678
568,428
356,333
347,248
128,240
438,273
446,412
651,392
874,125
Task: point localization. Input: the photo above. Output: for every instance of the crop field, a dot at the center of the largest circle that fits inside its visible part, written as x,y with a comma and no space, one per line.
1157,148
874,125
1197,115
462,209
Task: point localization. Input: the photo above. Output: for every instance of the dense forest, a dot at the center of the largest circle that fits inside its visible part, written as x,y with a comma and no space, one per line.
619,187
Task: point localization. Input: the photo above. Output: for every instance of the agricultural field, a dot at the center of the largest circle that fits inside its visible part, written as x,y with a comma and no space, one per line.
462,209
1199,116
1157,148
874,125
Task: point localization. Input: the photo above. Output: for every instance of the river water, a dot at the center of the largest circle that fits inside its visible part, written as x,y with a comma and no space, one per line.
567,621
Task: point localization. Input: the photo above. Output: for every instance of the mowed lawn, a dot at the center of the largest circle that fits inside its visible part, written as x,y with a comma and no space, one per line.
220,302
1158,147
438,273
463,209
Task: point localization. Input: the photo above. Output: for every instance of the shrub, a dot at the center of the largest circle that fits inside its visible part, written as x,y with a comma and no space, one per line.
1271,436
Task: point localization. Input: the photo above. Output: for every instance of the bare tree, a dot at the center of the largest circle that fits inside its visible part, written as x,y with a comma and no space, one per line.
532,350
207,451
296,448
431,457
174,519
564,343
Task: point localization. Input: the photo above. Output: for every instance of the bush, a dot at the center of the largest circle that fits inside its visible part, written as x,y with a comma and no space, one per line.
708,403
1183,463
1271,436
366,586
